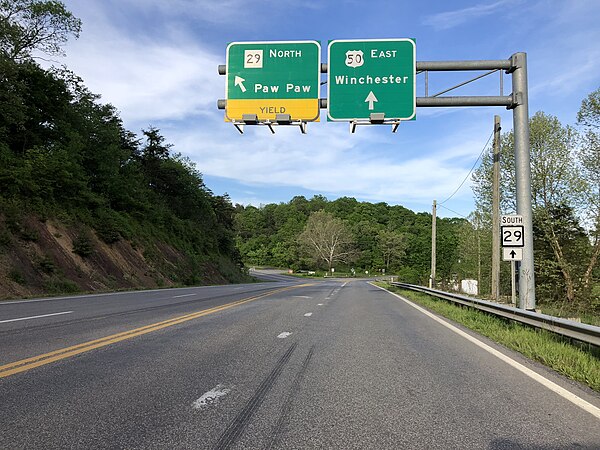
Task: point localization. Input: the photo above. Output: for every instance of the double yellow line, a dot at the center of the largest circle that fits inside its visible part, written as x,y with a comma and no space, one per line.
47,358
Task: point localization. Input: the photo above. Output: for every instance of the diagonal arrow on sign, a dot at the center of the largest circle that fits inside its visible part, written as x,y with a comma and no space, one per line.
239,81
371,99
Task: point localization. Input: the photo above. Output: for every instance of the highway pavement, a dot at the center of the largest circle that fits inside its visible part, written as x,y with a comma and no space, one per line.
291,363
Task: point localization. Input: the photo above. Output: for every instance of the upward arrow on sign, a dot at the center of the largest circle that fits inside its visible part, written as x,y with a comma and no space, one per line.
371,99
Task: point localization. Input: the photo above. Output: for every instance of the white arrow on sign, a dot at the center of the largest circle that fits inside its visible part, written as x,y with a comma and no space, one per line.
239,81
371,99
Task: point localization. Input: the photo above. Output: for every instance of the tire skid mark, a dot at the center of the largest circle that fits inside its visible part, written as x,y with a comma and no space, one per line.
26,364
286,408
237,425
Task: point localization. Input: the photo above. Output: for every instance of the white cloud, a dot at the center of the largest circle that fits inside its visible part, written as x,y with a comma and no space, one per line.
580,67
171,81
330,160
562,63
221,12
451,19
145,80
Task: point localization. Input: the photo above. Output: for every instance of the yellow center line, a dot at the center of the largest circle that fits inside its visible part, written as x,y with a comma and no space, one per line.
56,355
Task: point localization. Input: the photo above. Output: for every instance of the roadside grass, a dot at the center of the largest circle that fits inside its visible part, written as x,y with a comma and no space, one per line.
570,313
580,362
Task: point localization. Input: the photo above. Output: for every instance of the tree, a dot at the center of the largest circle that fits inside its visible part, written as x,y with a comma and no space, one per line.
392,246
327,239
572,242
271,235
589,159
29,25
557,186
589,113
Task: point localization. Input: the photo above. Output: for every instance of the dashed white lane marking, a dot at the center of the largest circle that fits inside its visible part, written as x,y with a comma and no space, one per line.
301,296
319,304
284,335
586,406
184,295
92,296
344,284
307,314
36,317
211,397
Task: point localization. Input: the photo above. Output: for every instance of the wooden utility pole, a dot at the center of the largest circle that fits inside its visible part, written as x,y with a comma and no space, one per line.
495,294
433,219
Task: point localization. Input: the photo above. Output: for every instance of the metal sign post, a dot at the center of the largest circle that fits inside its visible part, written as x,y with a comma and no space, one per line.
518,102
523,177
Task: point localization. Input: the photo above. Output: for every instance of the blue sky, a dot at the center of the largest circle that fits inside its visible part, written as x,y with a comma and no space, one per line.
156,61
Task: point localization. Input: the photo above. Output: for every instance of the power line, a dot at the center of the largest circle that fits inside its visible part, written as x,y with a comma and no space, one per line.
470,171
452,211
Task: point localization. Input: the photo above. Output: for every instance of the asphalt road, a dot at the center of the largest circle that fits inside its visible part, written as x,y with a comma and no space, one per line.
334,364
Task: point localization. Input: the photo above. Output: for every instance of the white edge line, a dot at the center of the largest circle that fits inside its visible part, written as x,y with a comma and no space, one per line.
36,317
578,401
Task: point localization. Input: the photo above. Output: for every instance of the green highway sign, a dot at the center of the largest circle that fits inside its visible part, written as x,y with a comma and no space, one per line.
371,76
270,78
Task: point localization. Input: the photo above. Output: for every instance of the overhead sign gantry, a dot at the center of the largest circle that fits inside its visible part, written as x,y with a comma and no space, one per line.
255,91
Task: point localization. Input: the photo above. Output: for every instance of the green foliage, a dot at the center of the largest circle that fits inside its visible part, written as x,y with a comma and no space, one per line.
47,265
327,239
392,246
384,236
65,155
16,276
28,25
565,181
108,226
5,238
28,234
589,113
60,285
82,245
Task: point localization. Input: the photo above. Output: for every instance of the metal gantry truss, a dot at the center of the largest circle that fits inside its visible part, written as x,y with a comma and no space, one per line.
517,101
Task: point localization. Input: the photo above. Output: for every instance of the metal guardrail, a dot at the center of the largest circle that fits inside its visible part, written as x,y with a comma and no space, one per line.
589,334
